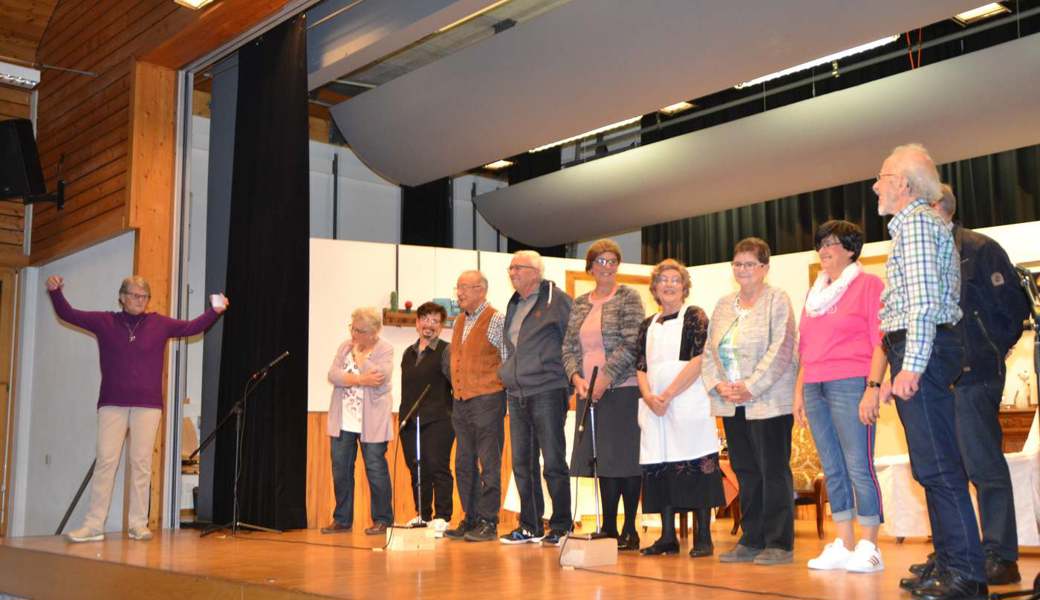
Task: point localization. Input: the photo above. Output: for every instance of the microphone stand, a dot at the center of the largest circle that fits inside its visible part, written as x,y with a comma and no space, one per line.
418,451
238,411
590,412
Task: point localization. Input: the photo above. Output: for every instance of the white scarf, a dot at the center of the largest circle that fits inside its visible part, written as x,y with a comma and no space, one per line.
825,293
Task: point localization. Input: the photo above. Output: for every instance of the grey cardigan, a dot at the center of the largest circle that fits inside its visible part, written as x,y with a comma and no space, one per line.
376,422
621,318
766,355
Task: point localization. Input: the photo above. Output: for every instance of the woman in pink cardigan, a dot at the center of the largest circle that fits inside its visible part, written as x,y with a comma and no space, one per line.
359,412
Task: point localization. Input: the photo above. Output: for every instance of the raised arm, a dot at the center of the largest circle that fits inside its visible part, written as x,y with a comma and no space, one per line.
88,320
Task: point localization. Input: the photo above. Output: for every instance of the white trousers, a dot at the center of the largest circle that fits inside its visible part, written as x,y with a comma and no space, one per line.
113,423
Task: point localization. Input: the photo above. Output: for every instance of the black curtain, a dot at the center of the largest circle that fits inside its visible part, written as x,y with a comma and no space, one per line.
996,189
528,166
991,190
267,283
426,218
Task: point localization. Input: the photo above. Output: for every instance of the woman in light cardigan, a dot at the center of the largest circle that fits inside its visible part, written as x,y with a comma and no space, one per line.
359,412
749,369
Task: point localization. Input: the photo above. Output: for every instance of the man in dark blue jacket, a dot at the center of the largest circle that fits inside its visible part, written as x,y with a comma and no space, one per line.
994,307
536,389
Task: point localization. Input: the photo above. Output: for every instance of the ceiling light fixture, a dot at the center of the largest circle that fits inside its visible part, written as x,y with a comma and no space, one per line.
599,130
193,4
498,164
678,107
19,76
978,14
819,61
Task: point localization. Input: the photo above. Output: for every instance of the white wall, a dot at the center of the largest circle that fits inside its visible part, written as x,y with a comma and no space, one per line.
630,242
59,378
345,275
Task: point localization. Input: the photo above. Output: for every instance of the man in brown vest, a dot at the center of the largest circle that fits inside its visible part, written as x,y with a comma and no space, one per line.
479,409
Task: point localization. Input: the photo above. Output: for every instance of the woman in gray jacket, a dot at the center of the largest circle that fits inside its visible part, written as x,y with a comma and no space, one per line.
603,332
749,369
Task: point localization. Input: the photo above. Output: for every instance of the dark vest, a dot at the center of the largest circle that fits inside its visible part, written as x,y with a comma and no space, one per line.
414,379
474,362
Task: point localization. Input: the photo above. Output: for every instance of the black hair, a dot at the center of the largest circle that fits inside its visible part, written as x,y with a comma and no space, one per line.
849,234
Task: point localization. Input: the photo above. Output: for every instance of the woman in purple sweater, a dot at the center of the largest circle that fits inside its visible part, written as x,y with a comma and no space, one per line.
131,347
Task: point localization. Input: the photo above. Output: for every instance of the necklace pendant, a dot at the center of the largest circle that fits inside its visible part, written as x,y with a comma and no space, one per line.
132,338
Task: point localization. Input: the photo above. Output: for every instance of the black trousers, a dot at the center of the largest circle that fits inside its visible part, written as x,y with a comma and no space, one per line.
480,435
760,454
435,441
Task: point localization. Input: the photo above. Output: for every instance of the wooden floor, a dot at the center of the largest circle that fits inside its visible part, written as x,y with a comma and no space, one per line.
304,564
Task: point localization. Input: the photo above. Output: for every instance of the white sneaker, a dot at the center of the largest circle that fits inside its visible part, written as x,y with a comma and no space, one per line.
84,535
141,534
866,558
439,525
834,556
416,522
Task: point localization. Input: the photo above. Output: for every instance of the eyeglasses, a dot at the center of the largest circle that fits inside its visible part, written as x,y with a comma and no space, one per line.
138,297
358,331
518,267
669,280
466,288
829,243
877,179
606,262
429,320
737,266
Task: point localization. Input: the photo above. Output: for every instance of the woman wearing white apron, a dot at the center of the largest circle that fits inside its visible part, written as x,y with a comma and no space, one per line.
679,443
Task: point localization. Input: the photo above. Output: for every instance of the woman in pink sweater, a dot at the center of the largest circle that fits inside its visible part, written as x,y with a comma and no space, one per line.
838,333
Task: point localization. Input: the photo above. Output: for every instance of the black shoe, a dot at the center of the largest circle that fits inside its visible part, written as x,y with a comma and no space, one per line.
485,531
377,528
459,532
555,537
660,547
1000,571
629,541
701,549
929,575
952,586
919,568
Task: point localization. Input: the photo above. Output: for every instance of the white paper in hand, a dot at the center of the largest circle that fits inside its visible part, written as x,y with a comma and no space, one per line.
217,301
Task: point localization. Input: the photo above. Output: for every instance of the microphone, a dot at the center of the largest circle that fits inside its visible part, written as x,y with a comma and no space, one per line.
588,403
271,364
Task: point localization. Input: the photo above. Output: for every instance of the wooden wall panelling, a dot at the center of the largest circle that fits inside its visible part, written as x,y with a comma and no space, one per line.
14,104
22,27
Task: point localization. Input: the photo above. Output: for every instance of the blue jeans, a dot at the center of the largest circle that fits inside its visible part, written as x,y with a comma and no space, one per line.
479,424
344,453
981,443
846,448
935,459
536,423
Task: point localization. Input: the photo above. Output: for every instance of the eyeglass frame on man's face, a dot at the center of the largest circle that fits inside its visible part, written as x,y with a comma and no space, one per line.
519,267
741,266
465,287
877,178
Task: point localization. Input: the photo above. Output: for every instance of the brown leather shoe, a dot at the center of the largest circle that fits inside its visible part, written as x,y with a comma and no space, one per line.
376,529
336,527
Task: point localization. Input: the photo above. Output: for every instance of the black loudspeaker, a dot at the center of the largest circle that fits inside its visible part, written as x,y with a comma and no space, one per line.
20,172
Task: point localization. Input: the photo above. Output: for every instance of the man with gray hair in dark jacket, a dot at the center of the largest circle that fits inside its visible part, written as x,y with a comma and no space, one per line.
536,389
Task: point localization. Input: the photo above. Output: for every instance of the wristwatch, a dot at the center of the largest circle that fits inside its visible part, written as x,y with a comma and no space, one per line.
873,384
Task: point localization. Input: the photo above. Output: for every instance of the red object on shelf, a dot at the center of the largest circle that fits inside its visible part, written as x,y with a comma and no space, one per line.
408,305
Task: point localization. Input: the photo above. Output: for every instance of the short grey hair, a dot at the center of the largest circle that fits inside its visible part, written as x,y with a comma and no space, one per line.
368,317
136,280
535,258
483,280
948,203
920,172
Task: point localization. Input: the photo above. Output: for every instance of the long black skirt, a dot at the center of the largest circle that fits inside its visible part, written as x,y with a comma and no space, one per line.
683,485
617,436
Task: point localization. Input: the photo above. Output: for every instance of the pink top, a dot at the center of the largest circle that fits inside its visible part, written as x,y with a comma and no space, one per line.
839,344
591,335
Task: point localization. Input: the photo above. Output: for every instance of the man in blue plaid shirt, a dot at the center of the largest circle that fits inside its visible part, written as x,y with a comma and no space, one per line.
925,352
